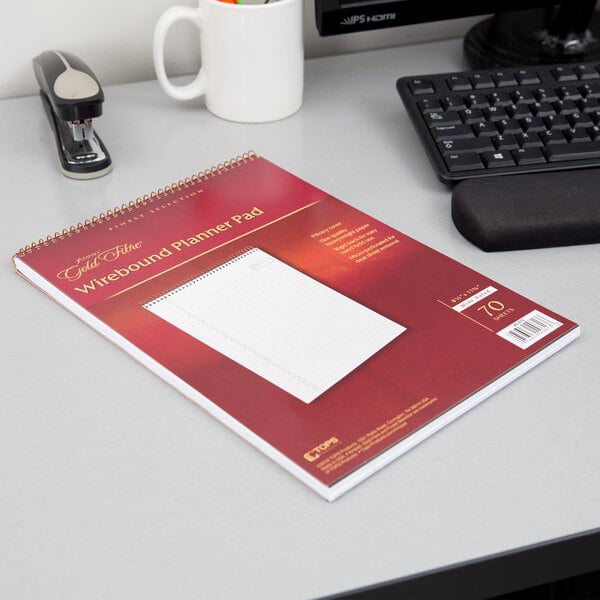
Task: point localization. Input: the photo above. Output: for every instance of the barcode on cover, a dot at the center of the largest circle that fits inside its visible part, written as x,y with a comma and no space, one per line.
529,329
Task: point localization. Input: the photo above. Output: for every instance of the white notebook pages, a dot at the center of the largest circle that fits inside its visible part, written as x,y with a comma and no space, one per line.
283,325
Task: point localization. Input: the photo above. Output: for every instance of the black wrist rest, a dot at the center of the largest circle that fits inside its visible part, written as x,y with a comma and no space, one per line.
539,210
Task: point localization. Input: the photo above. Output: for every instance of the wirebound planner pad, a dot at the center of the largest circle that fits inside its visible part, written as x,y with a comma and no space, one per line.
283,325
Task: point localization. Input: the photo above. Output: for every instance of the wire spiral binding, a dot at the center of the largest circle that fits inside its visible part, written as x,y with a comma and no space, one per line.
160,194
156,298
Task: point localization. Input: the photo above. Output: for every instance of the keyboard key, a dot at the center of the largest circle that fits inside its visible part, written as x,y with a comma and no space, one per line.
484,128
552,137
528,156
482,81
545,95
565,106
494,113
470,145
509,126
454,102
590,90
449,117
586,72
451,132
532,124
556,121
580,120
589,104
421,86
504,78
593,132
528,140
458,83
564,74
579,151
498,99
427,105
594,115
493,160
527,77
518,111
576,135
523,96
463,162
505,142
542,109
568,92
476,100
471,115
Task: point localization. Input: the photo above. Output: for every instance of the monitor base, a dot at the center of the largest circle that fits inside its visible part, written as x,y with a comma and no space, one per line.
538,36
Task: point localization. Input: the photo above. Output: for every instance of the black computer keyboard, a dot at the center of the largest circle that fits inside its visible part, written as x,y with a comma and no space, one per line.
507,121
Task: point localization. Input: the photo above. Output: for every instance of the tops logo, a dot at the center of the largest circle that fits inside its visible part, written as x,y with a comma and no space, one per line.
362,19
321,449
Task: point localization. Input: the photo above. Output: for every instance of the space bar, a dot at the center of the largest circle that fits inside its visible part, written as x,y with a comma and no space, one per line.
575,151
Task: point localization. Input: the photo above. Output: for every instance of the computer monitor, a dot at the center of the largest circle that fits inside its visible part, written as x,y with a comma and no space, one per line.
519,32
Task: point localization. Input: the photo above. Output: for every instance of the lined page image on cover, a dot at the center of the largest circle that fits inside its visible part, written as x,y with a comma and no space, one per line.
283,325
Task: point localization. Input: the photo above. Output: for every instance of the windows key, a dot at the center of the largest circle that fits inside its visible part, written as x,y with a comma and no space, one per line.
497,159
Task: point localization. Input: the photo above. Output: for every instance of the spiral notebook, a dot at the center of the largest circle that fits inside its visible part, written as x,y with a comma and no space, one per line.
327,339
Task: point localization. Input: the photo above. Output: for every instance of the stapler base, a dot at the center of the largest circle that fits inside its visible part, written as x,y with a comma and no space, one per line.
79,159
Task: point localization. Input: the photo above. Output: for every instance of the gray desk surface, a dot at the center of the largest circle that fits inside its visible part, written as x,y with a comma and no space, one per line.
114,486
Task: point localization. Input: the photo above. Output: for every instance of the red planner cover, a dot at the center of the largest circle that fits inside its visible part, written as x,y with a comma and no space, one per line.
324,337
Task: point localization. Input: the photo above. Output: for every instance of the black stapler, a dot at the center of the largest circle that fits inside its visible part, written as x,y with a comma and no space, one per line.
72,97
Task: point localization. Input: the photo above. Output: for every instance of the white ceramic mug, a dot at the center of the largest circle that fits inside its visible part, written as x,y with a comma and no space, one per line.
252,58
